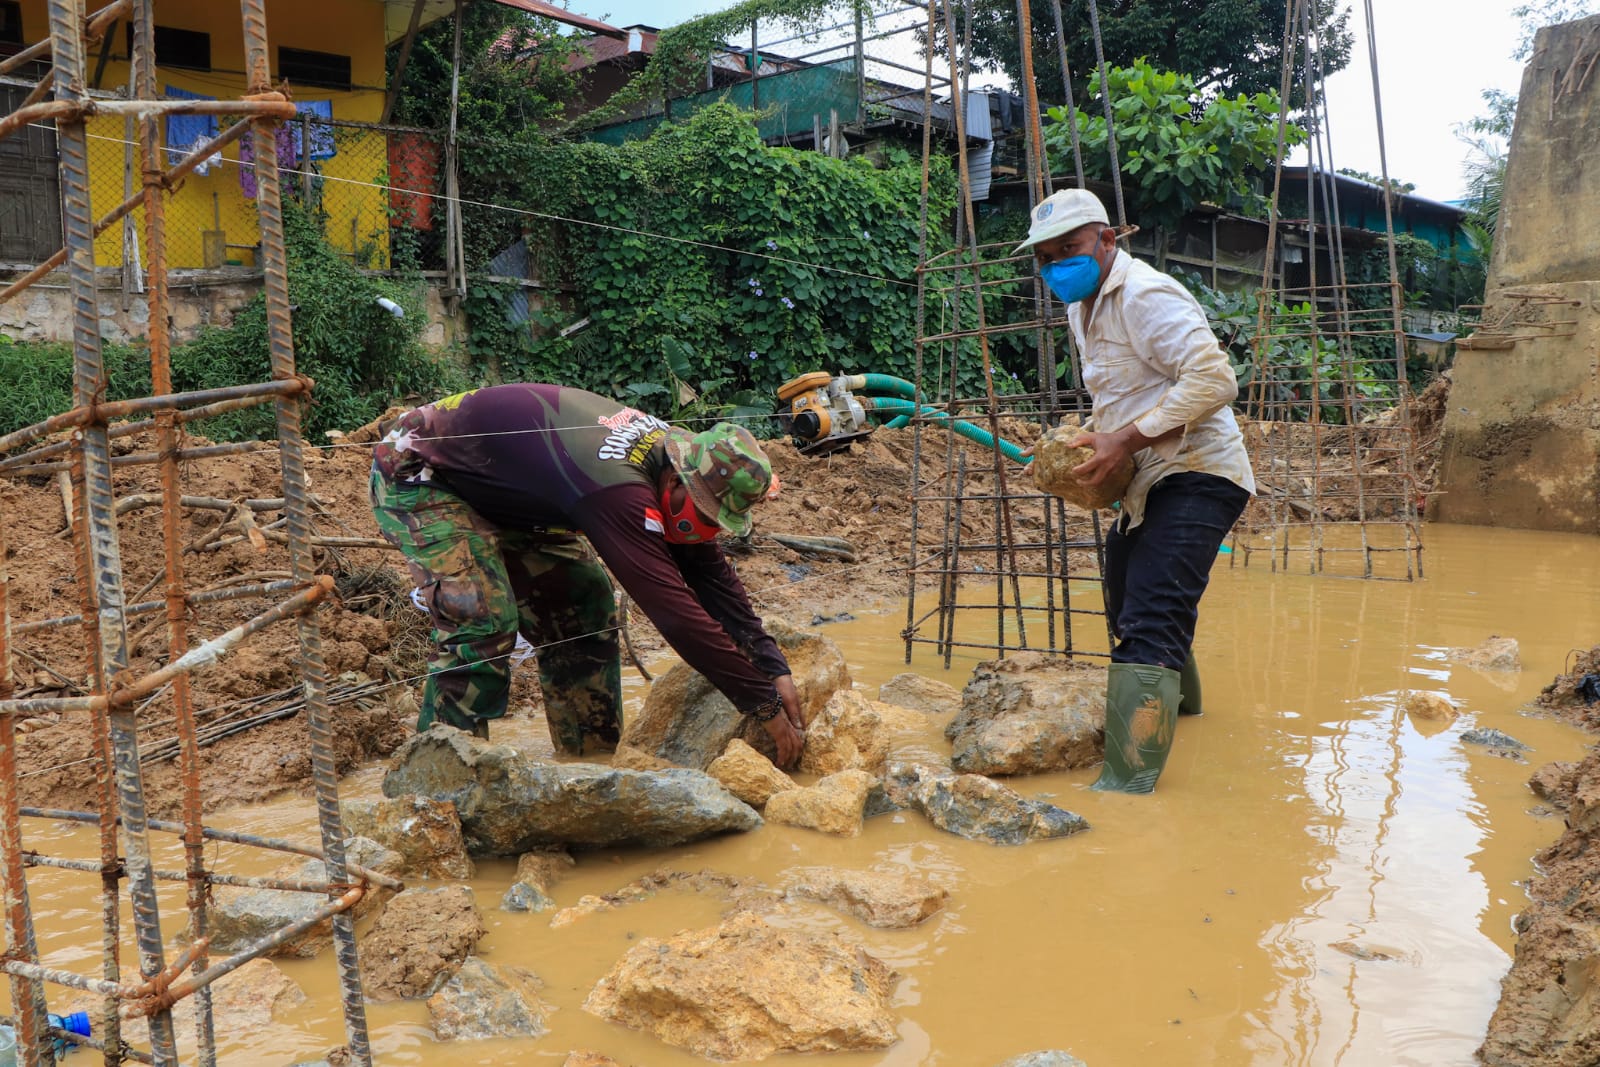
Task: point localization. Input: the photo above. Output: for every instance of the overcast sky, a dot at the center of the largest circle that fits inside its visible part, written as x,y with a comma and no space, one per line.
1435,58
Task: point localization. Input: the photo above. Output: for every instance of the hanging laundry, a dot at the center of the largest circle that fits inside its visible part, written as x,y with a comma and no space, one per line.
288,144
185,133
321,111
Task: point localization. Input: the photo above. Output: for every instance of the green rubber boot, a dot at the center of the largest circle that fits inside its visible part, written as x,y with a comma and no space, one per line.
1141,717
1189,683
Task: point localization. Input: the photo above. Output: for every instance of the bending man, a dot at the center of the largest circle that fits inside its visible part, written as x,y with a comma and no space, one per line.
496,495
1161,386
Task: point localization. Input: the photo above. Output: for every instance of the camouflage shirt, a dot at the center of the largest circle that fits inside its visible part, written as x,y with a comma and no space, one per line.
546,457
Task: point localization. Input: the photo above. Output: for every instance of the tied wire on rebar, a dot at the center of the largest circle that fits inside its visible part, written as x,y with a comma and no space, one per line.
112,693
1329,430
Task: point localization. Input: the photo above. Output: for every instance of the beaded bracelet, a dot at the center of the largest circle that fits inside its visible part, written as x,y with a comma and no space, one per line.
767,712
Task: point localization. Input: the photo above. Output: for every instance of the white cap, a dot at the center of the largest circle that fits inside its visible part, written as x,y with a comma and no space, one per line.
1061,213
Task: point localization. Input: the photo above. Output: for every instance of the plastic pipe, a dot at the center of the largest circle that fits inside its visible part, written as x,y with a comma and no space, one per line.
881,383
903,409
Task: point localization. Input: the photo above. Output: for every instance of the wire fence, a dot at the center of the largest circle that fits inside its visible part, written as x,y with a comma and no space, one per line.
373,188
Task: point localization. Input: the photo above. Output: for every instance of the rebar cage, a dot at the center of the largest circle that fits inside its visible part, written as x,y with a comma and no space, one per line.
59,104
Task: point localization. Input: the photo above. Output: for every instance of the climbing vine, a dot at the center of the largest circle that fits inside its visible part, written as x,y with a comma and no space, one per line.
743,264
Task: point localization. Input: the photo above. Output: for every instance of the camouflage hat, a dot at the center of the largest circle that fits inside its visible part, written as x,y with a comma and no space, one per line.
725,471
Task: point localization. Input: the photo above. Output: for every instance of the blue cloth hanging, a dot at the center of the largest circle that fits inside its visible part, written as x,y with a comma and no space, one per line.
321,112
186,131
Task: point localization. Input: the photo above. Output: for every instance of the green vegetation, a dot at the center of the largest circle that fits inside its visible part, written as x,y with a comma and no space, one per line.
751,263
362,358
1175,152
38,377
1227,47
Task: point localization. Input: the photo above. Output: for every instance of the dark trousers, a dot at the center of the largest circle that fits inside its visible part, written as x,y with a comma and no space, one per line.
1157,571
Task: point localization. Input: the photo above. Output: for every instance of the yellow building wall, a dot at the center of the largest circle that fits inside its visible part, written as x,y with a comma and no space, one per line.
351,188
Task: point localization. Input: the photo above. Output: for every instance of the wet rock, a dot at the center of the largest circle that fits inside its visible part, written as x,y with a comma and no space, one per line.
1495,654
878,801
240,917
744,990
1493,739
1553,782
510,804
419,941
847,733
920,694
1027,714
1053,461
747,774
258,996
835,805
687,721
889,901
1430,712
626,757
483,1001
974,807
536,873
1052,1058
426,832
1356,950
741,894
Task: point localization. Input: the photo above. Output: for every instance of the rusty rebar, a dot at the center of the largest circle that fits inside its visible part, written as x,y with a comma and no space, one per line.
149,607
167,440
117,409
280,345
99,533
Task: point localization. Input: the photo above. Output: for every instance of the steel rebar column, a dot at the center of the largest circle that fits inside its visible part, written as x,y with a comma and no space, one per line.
98,534
155,230
297,500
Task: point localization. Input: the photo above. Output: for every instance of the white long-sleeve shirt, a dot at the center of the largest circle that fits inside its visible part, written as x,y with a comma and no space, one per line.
1149,358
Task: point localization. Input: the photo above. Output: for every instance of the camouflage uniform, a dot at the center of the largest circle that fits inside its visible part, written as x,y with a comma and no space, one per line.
500,499
482,586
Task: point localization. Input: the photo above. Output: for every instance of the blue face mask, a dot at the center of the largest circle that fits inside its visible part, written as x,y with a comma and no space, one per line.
1072,279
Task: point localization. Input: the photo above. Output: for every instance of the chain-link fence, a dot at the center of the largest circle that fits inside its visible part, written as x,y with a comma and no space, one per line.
373,188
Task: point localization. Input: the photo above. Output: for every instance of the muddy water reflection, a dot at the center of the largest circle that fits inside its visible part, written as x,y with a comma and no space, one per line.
1316,882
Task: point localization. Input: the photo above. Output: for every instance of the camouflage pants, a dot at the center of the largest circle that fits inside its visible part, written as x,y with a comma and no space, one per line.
483,585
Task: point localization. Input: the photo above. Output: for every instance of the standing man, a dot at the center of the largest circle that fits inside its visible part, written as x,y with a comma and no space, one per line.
492,494
1161,386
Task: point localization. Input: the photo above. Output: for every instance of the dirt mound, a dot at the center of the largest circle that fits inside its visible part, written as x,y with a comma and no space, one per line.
375,643
1545,1015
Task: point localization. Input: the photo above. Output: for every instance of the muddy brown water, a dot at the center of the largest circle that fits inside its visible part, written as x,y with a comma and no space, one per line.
1316,881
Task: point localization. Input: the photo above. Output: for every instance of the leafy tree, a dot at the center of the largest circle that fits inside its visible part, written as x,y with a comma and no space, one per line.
513,76
1226,46
1175,152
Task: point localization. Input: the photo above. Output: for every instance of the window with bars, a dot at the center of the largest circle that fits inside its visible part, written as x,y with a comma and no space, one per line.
302,66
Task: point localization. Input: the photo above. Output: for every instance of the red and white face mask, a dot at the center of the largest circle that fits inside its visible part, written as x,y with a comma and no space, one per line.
685,526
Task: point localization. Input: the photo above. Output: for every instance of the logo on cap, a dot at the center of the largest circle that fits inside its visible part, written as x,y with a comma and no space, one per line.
1042,212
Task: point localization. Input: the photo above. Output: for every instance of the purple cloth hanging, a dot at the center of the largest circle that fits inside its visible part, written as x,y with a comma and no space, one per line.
288,156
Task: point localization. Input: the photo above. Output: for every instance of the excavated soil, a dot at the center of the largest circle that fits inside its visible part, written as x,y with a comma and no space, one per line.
1548,1013
374,642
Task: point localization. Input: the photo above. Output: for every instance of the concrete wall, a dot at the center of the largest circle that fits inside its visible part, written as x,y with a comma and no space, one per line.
199,298
1521,439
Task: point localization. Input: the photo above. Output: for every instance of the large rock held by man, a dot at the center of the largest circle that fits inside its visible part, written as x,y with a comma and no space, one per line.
687,721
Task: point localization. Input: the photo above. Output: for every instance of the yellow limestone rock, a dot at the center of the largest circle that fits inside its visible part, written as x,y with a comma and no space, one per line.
834,805
847,733
744,990
748,775
877,898
1052,465
1430,712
